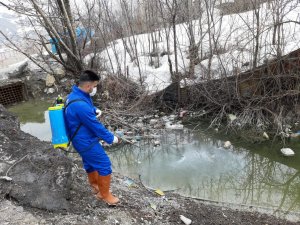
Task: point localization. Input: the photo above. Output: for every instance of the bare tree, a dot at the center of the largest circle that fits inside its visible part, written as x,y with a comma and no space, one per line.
50,20
188,15
279,10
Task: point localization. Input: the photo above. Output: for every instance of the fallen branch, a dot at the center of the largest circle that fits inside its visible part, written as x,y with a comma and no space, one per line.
15,164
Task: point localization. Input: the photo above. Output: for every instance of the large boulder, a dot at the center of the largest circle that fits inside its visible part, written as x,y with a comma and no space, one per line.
20,72
59,73
50,80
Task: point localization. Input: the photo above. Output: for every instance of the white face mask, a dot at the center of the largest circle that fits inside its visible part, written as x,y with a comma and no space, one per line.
94,91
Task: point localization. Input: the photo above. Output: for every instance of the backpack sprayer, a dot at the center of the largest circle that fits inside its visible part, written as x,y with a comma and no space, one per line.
60,138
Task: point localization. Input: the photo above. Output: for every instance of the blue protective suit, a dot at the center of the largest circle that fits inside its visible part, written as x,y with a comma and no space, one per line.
86,141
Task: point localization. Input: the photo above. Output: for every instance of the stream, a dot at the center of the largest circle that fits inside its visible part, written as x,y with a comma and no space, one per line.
195,164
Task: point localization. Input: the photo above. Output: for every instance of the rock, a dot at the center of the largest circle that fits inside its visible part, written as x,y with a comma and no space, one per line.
60,73
227,144
22,71
23,67
12,214
50,80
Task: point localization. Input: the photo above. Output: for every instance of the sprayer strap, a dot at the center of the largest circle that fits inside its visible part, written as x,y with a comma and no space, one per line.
77,129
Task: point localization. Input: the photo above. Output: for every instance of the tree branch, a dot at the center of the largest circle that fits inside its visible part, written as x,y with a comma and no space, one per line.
24,53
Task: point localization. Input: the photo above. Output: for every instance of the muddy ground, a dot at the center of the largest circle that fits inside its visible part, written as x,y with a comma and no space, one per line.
48,187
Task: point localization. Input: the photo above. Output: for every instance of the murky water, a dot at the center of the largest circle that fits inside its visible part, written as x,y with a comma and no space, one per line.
198,166
195,164
34,119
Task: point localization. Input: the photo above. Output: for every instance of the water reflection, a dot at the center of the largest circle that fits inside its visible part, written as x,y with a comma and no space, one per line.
197,165
200,167
34,118
40,130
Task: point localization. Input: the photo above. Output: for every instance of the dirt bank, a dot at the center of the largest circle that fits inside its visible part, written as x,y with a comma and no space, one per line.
49,187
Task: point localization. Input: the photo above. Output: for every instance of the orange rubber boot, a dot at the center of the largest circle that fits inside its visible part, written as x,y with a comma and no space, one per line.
93,180
104,185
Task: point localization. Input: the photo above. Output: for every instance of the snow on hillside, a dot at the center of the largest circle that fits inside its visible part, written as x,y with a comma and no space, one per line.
11,23
235,41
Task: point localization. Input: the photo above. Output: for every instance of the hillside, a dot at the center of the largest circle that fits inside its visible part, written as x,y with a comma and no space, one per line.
233,36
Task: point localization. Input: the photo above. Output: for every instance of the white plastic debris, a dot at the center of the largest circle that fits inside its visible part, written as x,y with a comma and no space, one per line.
288,130
6,178
295,135
227,144
265,135
182,113
156,143
153,206
120,133
231,117
140,125
170,126
153,121
283,134
172,117
186,221
287,152
50,90
98,113
129,182
138,137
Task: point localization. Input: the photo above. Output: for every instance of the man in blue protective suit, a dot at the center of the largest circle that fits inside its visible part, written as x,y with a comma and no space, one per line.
86,131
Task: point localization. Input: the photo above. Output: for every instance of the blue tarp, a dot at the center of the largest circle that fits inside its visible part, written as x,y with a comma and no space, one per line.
81,34
53,42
